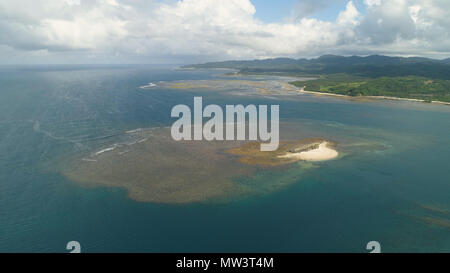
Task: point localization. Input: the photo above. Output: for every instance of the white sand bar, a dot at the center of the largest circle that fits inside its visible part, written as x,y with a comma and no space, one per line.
323,152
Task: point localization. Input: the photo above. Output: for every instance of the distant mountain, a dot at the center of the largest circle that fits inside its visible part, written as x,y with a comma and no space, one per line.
370,66
370,60
277,62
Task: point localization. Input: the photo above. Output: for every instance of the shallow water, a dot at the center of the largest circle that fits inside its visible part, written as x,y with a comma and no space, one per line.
390,183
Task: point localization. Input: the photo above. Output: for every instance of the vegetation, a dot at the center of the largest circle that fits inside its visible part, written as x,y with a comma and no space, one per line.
403,87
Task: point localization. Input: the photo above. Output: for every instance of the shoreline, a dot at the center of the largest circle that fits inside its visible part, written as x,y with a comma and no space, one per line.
302,90
321,153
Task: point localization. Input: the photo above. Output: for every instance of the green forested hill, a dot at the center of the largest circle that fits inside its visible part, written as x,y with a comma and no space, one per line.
403,87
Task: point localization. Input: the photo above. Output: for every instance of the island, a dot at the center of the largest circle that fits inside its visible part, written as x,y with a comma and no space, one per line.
419,79
152,167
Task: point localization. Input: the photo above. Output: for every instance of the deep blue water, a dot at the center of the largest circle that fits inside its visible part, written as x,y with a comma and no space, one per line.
49,113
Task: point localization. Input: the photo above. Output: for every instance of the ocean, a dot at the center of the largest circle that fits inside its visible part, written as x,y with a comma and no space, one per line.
391,183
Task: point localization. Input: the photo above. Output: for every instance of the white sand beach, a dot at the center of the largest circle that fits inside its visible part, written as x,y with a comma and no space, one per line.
321,153
302,90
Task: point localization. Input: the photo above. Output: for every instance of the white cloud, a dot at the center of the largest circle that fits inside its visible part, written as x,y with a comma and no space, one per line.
140,30
349,15
414,27
372,2
73,2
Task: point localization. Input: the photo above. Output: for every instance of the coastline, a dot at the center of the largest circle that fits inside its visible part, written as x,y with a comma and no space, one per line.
302,90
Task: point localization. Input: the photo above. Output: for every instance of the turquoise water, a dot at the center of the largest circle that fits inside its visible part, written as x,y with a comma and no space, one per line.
50,113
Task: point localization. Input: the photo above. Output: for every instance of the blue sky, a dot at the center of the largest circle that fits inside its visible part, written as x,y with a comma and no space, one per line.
270,11
273,11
